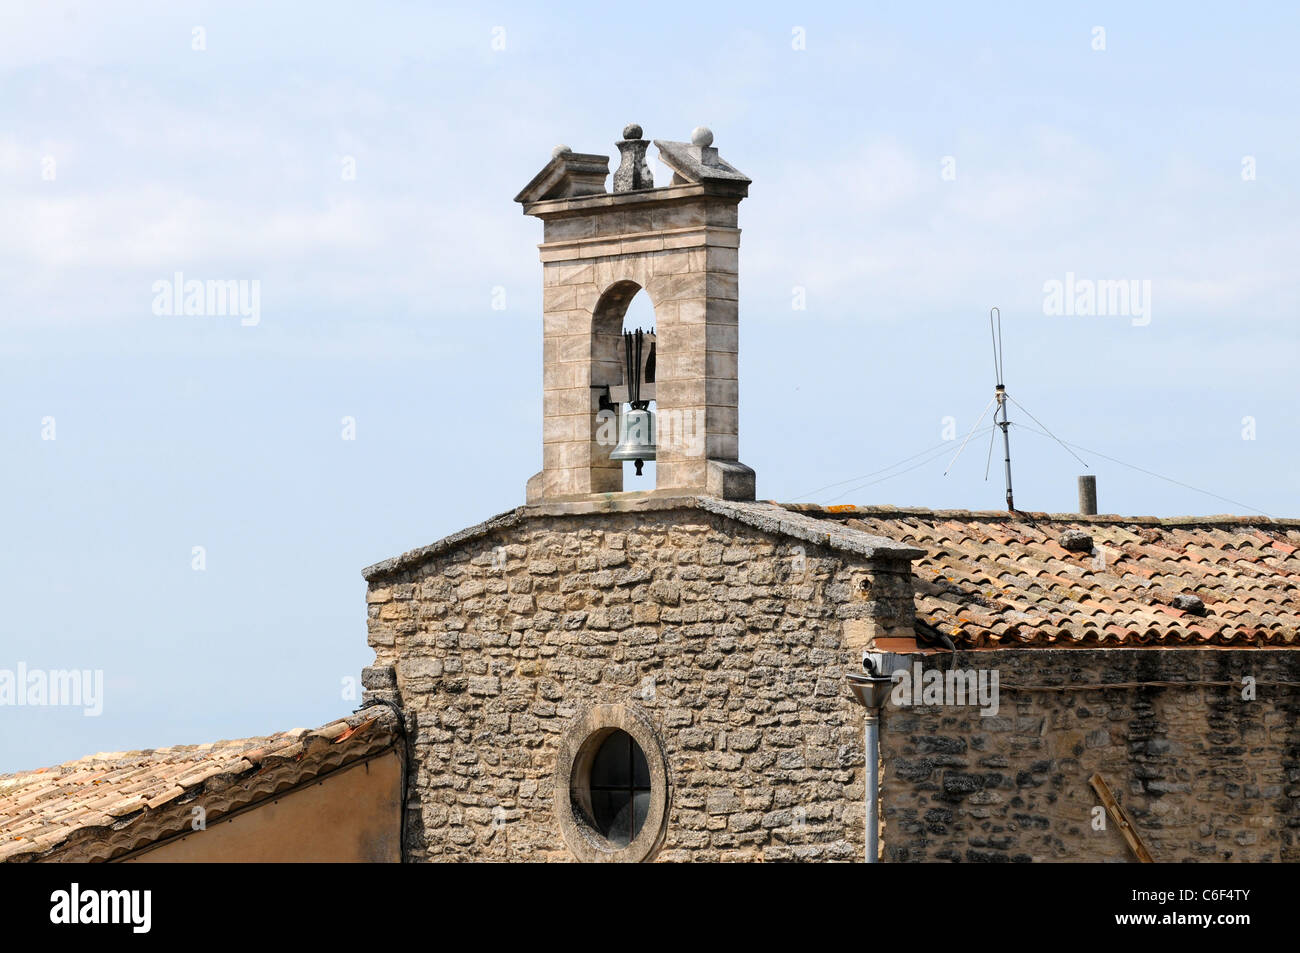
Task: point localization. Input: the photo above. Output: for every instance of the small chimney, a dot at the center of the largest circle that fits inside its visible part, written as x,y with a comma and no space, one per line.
1088,495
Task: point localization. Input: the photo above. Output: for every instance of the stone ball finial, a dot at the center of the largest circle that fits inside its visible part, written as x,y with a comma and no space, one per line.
560,150
702,136
632,131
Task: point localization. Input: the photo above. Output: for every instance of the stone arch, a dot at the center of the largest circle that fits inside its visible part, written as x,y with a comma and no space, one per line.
607,330
607,360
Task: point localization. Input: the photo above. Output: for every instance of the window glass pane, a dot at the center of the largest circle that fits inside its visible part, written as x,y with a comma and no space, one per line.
620,824
640,809
605,807
640,769
610,768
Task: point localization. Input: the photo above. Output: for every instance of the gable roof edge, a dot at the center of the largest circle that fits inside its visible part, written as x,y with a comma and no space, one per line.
765,516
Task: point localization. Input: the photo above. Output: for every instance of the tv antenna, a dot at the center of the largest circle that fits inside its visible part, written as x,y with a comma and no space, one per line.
1000,395
1000,421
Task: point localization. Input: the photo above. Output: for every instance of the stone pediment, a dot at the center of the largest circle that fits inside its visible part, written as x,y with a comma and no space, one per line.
567,175
697,164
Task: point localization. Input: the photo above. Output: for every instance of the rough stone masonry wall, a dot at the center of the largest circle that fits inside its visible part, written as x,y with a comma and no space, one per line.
739,631
1203,774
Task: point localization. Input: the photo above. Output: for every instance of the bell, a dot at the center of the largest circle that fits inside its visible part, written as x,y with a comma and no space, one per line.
637,437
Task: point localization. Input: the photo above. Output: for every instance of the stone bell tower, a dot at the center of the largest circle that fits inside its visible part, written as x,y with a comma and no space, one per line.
679,243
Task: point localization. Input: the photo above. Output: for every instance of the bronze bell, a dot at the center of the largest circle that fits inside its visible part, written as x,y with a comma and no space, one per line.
636,430
636,425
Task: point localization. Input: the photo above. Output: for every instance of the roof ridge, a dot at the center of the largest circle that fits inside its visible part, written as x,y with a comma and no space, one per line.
208,750
1220,519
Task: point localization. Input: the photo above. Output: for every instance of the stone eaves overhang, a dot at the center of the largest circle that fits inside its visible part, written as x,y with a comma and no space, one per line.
631,201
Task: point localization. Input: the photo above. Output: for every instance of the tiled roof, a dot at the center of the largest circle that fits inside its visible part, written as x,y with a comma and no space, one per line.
999,579
105,805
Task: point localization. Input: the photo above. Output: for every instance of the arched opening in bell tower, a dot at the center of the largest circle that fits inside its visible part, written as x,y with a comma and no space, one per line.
624,309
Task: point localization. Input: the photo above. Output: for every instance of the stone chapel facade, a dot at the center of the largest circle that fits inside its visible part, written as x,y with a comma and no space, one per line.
520,647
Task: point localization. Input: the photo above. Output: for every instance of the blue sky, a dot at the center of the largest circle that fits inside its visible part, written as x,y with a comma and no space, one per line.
376,292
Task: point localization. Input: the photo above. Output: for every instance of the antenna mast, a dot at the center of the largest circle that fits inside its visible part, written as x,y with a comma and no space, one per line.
1000,395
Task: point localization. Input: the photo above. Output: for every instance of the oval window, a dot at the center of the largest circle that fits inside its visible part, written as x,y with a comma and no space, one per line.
611,786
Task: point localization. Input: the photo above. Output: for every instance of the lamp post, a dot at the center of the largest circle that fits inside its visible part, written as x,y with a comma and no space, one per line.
870,688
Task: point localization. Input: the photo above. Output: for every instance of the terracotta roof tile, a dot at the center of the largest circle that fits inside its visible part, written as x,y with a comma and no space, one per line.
997,578
105,805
